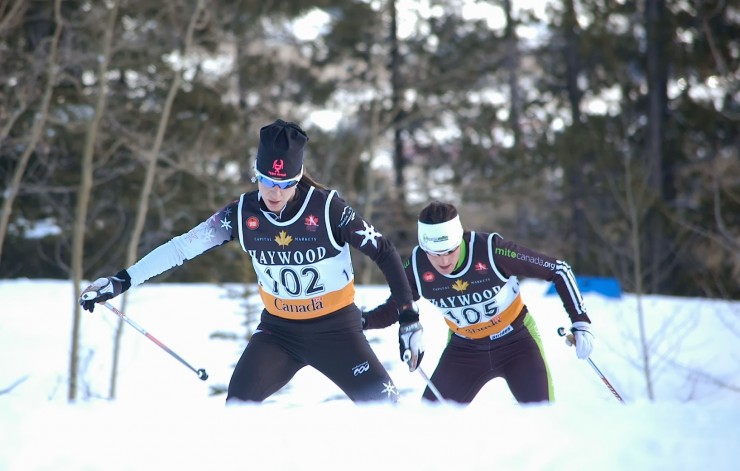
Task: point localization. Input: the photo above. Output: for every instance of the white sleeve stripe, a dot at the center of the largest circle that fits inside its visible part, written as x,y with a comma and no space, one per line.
415,267
327,220
563,270
240,222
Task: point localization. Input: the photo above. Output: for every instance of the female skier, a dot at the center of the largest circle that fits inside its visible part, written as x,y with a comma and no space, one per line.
298,234
471,277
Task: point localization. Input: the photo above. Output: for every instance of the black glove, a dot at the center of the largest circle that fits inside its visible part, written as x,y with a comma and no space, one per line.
364,320
104,289
410,338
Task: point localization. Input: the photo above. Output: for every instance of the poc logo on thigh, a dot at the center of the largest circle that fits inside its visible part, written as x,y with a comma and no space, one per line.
361,368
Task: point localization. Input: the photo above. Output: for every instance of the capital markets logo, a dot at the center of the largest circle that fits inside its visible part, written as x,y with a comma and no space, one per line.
283,239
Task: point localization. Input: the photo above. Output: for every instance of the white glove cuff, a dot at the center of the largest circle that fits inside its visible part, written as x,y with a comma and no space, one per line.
584,339
580,325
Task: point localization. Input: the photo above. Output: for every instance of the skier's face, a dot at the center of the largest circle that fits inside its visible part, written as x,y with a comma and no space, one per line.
444,263
276,198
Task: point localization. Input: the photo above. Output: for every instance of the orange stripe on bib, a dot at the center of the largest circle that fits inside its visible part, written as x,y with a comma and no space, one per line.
495,325
301,309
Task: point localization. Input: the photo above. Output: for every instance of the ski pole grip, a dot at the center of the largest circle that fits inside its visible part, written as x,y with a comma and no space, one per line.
562,333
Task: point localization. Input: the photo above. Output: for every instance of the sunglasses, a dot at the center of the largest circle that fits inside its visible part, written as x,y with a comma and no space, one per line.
282,184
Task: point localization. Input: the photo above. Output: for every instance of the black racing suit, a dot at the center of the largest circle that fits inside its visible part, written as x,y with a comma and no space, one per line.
305,278
491,332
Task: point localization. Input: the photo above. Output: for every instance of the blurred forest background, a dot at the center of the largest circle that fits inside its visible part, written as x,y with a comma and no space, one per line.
602,132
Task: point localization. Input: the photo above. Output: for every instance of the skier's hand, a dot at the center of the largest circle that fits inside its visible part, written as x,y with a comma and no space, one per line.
410,337
583,338
103,289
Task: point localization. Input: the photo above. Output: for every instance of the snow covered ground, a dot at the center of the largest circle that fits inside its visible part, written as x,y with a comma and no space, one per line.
165,418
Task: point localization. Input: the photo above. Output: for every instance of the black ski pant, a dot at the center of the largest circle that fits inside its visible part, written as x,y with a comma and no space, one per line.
466,365
333,344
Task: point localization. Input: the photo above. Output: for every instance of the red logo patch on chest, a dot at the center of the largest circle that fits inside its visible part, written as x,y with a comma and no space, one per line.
312,222
253,223
428,277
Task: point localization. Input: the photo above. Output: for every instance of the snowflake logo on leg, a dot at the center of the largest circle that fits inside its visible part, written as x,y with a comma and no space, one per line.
369,234
390,389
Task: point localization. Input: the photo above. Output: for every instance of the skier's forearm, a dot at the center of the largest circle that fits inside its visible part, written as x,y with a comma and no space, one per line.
382,316
567,288
201,238
392,270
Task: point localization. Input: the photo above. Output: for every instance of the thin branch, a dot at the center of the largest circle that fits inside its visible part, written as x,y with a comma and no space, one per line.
13,385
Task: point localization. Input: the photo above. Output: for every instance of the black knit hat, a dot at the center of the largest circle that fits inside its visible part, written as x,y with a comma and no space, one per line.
280,152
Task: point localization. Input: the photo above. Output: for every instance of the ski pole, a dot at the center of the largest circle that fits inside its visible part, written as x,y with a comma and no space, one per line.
200,372
431,386
571,339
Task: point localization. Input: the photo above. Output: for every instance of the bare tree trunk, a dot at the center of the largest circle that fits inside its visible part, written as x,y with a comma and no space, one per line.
633,212
12,191
146,189
512,62
657,101
371,193
397,193
12,15
83,195
512,67
397,111
575,189
38,128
